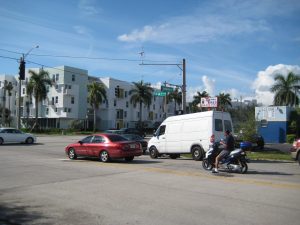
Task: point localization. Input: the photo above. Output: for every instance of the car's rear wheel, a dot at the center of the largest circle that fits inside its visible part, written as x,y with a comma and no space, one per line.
1,141
104,156
129,159
153,152
197,153
72,154
29,140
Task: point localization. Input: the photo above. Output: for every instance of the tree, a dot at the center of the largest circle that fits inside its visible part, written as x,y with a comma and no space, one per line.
9,88
6,88
197,99
141,94
175,96
224,101
286,90
96,95
37,87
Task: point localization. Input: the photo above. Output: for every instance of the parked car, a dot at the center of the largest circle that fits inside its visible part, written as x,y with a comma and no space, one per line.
105,146
132,131
135,137
257,142
12,135
295,150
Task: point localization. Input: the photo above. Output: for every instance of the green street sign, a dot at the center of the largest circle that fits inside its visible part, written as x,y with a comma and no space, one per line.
160,93
166,89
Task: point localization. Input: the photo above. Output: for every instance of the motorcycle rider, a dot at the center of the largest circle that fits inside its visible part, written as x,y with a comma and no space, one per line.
228,147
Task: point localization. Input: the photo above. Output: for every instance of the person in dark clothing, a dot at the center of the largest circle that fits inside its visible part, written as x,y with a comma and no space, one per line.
228,147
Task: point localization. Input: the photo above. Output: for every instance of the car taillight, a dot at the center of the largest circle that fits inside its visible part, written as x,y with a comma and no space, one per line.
212,139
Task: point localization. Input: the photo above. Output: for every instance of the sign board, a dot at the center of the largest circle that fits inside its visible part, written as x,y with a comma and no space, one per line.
166,89
160,93
209,102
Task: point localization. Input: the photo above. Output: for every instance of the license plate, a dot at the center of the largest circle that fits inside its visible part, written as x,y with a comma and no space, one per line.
132,145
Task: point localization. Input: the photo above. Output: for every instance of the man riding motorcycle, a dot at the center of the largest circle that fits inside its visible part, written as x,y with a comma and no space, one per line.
228,147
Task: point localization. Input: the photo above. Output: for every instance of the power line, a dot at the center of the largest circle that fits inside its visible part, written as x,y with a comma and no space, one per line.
85,57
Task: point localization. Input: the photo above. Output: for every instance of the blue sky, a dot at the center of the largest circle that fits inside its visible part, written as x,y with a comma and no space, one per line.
229,45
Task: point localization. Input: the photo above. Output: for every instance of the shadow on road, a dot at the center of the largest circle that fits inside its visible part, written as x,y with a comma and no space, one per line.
140,161
21,144
17,215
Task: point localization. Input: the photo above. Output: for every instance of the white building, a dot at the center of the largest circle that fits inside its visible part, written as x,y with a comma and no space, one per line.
67,102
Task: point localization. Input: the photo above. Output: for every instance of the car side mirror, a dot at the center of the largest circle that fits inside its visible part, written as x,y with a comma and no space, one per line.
80,142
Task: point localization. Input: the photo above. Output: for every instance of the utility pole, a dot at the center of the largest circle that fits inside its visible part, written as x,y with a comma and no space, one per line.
22,77
183,69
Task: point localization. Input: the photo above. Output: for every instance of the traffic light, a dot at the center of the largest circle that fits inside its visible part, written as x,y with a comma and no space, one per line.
22,70
117,91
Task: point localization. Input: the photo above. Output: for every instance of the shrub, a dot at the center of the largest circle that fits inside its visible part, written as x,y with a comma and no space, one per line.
290,138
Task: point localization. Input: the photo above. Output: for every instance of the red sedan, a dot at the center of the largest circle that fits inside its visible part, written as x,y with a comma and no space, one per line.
106,147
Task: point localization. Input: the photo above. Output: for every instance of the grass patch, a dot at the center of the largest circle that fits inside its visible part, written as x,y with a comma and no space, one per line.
270,155
263,155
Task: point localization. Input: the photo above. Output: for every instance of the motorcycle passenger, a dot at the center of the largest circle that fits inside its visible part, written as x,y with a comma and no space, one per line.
228,147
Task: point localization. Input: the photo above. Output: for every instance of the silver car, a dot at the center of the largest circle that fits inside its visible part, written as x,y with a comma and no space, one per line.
12,135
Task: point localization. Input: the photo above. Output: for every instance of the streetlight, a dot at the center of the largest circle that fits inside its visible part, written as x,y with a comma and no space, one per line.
22,77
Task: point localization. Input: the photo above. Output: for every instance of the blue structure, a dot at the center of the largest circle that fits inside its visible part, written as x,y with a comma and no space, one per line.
273,123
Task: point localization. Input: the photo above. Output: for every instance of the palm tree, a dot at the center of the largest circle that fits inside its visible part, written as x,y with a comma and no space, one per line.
9,88
96,95
37,87
197,99
286,89
141,93
176,95
224,101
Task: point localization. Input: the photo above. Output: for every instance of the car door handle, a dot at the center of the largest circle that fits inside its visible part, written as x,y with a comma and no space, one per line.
163,138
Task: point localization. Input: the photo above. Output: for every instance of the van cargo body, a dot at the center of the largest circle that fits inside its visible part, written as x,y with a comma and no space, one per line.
190,133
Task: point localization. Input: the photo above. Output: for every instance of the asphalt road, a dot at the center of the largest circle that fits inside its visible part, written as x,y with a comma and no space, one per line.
39,185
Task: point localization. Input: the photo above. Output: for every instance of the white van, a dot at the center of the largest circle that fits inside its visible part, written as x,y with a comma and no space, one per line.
190,133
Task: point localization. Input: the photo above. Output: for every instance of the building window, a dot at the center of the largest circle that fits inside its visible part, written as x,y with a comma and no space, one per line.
57,77
52,103
55,109
53,77
115,102
153,106
73,77
65,109
70,86
126,94
127,104
23,91
47,111
56,99
125,114
69,110
72,100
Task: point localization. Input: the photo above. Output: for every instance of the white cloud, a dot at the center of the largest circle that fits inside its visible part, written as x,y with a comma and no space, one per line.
265,80
87,8
198,27
209,85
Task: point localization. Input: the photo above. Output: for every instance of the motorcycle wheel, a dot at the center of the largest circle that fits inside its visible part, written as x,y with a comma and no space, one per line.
244,167
206,165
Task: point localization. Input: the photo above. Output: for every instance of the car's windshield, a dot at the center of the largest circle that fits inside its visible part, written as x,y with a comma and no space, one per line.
116,138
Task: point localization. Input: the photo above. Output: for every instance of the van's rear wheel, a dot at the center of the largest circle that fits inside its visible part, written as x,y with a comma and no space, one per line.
153,152
197,153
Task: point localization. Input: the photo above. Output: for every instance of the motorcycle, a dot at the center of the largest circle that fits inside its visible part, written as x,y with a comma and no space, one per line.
236,161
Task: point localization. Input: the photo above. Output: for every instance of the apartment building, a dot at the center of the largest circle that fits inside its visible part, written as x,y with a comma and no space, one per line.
67,101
